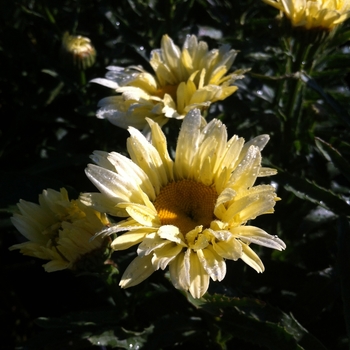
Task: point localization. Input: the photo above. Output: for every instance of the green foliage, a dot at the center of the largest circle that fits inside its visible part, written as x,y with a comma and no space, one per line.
273,328
300,97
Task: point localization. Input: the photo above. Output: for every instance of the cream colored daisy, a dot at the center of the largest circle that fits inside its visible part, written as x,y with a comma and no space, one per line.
58,229
193,77
324,14
191,213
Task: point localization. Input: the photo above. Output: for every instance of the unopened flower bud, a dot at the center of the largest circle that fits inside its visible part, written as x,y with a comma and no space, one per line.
78,50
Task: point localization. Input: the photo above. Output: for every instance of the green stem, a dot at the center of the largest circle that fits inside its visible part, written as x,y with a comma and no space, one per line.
303,48
110,280
82,77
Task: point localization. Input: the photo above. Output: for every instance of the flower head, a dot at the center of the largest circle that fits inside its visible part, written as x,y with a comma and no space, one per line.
190,213
77,50
323,14
58,229
193,77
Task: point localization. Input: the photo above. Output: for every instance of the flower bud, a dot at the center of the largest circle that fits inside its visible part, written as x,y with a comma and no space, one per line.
78,51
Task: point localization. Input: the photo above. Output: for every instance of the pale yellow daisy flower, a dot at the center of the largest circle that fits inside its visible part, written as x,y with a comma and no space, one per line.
58,229
323,14
191,213
194,77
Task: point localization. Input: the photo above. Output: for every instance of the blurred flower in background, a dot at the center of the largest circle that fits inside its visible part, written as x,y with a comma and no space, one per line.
191,213
59,230
78,51
313,14
193,77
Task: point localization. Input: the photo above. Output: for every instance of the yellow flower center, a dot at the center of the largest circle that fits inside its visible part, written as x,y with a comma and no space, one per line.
167,89
186,204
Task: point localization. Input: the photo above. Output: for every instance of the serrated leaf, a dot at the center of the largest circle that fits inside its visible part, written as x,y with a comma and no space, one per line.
333,155
310,191
343,262
107,338
271,327
133,340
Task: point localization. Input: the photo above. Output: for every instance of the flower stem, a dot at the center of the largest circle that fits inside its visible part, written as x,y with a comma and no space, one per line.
303,46
109,277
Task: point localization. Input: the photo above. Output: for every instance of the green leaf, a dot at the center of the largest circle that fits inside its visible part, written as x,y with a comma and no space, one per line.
310,191
107,338
340,38
343,262
95,327
333,155
179,327
338,109
133,340
271,327
80,319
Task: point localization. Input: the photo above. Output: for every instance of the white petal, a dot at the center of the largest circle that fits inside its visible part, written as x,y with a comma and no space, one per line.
199,278
252,234
252,259
247,170
179,270
212,263
238,206
138,270
151,242
105,82
112,185
163,256
259,141
171,233
230,249
103,204
142,214
225,196
159,141
127,168
147,158
128,239
221,235
187,144
266,172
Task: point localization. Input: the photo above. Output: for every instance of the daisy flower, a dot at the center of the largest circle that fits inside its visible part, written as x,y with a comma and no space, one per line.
58,229
193,77
191,213
325,14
